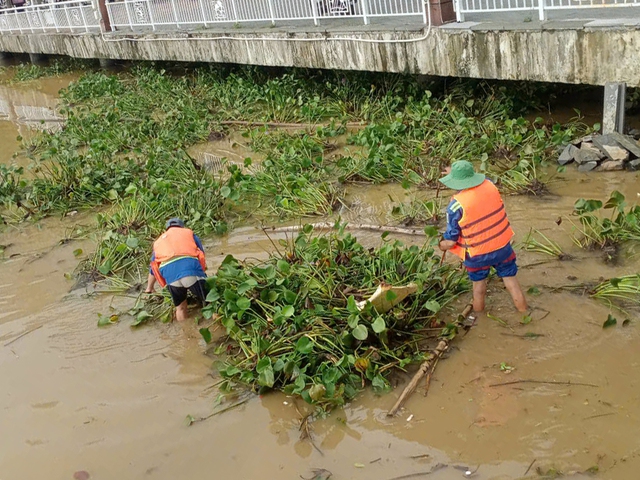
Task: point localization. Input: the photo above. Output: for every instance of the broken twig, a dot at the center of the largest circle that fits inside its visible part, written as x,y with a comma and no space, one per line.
22,335
530,465
354,226
549,382
423,370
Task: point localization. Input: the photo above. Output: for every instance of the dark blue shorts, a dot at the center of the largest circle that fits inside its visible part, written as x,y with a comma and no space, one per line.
507,268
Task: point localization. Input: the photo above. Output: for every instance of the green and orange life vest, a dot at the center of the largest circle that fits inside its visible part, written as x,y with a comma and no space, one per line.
484,224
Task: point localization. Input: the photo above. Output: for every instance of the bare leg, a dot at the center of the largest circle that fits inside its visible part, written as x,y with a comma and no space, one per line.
513,286
181,312
479,292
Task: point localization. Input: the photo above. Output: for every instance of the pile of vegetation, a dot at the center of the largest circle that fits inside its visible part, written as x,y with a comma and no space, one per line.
294,322
124,148
607,233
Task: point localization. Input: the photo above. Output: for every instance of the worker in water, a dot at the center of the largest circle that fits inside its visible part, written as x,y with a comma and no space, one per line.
178,262
478,231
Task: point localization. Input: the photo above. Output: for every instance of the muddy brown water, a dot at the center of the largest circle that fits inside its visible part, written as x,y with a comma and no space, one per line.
112,401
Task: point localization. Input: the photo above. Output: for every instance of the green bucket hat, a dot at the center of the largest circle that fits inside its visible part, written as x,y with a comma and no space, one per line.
462,176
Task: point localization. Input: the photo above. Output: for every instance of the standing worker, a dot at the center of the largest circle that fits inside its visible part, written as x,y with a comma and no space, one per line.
178,262
478,231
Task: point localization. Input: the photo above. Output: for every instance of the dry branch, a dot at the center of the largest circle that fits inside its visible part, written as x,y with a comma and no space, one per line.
425,368
354,226
246,123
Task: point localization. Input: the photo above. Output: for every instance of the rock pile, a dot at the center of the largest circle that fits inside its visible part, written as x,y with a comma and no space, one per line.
603,153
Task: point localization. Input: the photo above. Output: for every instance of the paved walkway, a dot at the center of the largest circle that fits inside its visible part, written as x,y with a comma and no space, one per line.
621,17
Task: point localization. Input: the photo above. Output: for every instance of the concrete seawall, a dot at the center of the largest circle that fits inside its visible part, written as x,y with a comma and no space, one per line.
587,56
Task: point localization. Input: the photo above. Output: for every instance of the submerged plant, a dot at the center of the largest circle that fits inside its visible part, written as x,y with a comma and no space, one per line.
418,212
543,245
295,324
625,289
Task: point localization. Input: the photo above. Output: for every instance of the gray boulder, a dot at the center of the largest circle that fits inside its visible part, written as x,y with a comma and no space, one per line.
587,166
611,166
587,153
567,154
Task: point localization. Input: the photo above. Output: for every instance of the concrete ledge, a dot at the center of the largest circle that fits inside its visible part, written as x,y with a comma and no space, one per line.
587,56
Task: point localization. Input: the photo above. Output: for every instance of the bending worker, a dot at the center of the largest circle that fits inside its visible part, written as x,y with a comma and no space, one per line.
478,231
178,262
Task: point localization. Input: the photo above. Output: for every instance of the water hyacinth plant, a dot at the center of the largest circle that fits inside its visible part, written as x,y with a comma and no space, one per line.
294,323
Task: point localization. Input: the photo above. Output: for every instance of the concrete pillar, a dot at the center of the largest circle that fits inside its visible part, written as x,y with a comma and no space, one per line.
613,112
38,59
441,12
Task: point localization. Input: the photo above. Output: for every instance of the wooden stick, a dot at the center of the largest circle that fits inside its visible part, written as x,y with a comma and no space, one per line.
22,335
246,123
423,370
354,226
549,382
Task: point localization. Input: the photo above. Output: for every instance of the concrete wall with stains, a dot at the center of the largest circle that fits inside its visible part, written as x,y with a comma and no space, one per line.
568,55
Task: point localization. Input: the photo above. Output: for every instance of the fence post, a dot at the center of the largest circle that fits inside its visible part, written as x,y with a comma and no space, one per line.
55,20
459,13
41,17
126,9
66,12
314,12
541,12
204,15
175,13
365,12
151,20
425,4
271,12
235,11
84,18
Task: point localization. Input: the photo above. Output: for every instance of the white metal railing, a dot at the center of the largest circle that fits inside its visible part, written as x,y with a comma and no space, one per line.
541,6
74,16
154,14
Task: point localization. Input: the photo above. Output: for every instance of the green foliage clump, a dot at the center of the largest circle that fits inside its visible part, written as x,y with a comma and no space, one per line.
294,324
596,231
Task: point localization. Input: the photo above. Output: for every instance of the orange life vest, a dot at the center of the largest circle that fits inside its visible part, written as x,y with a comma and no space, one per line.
484,224
175,242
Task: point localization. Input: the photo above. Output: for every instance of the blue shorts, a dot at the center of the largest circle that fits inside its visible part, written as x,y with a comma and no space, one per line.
506,268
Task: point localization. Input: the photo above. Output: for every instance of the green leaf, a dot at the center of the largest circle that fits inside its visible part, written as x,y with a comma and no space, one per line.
141,317
360,332
132,243
317,392
288,311
526,319
351,305
266,377
283,266
430,231
206,334
390,295
263,364
610,322
304,345
105,268
616,200
432,306
534,291
247,285
243,303
77,252
225,191
384,235
104,320
379,325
